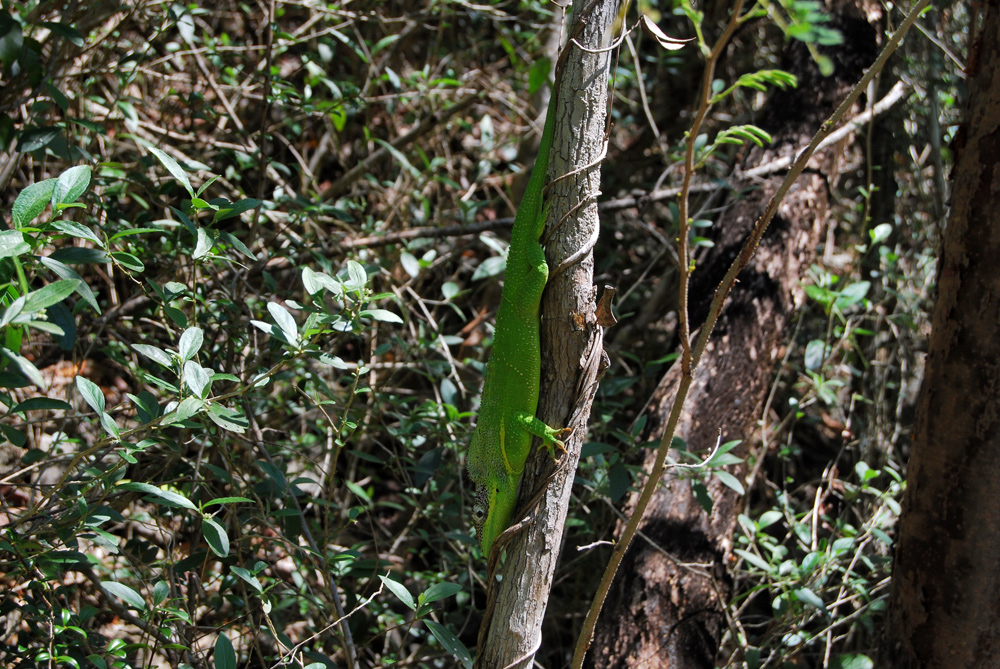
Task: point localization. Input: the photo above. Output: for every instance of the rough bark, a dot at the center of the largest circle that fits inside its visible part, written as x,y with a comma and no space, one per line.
571,344
663,611
945,601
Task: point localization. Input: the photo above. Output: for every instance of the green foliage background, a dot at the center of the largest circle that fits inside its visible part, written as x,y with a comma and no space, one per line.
241,344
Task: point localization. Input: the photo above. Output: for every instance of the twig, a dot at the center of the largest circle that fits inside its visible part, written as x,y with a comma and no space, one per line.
420,233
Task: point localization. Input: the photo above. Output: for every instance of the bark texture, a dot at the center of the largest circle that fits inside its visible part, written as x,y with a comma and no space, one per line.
666,610
945,600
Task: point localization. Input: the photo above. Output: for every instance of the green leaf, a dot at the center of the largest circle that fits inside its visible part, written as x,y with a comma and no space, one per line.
174,289
91,393
11,313
128,261
168,497
852,661
34,139
880,233
160,592
400,591
176,315
816,351
26,367
317,281
66,272
70,185
203,245
46,296
67,31
190,342
95,128
40,404
155,354
228,419
493,266
852,294
109,425
753,559
285,321
538,75
197,378
356,275
74,229
236,209
146,405
747,525
15,437
77,255
225,655
175,170
384,42
410,264
125,593
11,39
769,518
44,326
247,576
450,643
361,493
133,231
226,500
730,482
12,244
233,241
382,315
339,117
269,328
333,361
60,315
31,202
187,408
403,161
701,494
807,596
215,536
440,591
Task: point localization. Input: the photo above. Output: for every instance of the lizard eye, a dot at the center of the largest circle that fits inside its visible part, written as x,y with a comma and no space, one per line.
478,513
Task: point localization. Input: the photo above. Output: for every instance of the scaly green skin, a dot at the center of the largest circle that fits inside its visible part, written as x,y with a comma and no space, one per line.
502,441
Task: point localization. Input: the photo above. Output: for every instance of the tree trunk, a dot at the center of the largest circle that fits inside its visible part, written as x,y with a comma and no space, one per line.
571,341
667,608
946,578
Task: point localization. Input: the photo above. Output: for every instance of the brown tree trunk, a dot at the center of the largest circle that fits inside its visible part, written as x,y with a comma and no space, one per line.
666,610
571,343
945,601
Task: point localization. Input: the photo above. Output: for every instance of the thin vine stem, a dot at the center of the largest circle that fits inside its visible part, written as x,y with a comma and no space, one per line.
684,227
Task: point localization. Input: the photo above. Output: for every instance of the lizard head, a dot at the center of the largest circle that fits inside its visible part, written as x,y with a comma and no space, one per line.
491,512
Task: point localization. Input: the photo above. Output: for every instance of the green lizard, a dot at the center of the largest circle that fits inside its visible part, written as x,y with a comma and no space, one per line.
507,421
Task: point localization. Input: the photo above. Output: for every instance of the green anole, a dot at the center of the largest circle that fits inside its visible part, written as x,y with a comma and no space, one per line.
507,421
